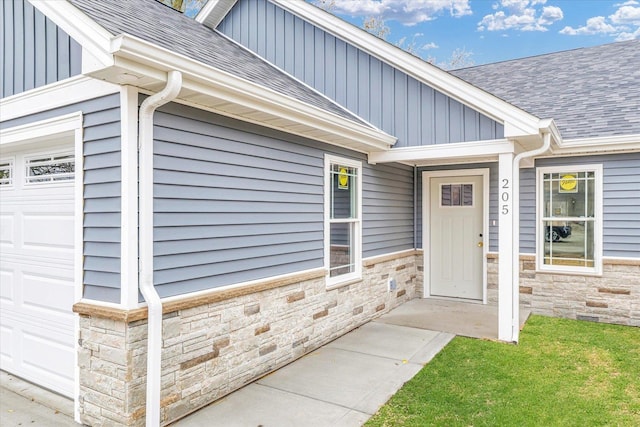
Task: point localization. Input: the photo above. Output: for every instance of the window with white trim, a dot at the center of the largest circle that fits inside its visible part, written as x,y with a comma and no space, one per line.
6,172
570,218
49,168
343,219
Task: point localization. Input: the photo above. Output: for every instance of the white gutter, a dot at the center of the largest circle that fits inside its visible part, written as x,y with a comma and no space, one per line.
546,144
154,304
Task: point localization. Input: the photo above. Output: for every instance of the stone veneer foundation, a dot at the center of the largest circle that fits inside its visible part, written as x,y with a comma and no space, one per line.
218,342
613,297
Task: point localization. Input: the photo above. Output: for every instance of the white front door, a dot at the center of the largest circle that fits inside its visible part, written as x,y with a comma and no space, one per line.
37,266
455,264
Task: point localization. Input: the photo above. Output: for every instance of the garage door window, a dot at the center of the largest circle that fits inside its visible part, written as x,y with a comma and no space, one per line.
6,173
42,169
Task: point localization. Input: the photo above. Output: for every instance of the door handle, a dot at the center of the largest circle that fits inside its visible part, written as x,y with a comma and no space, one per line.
480,244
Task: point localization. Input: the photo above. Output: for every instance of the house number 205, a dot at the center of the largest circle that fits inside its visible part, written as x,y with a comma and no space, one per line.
505,196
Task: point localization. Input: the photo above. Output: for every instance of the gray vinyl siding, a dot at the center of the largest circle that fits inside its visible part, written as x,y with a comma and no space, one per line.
35,52
621,202
387,209
101,139
528,211
493,198
384,96
236,202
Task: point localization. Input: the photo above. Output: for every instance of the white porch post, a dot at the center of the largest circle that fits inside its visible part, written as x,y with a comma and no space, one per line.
129,200
505,246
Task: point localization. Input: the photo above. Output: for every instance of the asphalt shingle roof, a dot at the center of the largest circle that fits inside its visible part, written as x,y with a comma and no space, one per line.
590,92
154,22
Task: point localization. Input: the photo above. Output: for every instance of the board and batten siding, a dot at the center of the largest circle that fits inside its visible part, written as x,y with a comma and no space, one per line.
388,98
35,51
620,196
102,203
236,202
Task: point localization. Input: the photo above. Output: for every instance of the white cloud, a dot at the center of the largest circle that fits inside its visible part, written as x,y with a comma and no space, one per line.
407,12
626,15
595,25
623,24
523,15
624,36
428,46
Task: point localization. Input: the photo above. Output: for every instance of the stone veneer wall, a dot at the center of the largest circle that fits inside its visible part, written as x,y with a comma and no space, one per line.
217,343
613,297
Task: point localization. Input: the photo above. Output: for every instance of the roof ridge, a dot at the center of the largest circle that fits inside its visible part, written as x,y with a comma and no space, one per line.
559,52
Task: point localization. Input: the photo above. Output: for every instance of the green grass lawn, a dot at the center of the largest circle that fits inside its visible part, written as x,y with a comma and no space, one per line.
562,373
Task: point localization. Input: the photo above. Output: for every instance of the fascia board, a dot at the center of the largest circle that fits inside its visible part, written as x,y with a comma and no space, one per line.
517,122
214,11
88,33
462,150
599,144
238,90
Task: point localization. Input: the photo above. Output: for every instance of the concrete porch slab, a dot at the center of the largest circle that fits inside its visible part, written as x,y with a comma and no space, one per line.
459,318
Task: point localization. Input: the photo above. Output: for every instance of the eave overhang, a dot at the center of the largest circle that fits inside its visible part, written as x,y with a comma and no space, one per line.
128,60
443,154
468,152
144,65
598,145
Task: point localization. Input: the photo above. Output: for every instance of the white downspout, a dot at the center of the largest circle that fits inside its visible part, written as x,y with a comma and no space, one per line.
154,304
546,143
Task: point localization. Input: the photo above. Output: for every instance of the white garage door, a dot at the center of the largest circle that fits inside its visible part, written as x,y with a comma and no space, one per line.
36,266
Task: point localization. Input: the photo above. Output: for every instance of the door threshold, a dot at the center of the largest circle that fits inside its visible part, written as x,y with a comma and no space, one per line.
454,299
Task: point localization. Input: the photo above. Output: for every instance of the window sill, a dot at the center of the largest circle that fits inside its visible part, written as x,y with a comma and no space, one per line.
343,283
596,273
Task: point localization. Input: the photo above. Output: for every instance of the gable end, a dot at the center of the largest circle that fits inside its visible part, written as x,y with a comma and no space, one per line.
385,96
35,51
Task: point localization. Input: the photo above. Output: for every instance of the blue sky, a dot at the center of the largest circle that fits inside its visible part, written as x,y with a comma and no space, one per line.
493,30
497,30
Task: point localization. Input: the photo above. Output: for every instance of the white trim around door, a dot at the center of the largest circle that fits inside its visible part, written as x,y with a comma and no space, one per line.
426,221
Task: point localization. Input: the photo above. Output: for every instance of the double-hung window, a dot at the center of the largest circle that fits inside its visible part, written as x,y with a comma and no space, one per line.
570,218
343,219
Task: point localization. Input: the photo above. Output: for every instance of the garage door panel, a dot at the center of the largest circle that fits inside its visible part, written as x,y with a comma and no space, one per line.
37,324
59,291
48,232
7,294
7,238
59,354
7,347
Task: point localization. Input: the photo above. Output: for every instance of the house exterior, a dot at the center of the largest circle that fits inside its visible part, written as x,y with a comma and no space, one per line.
188,205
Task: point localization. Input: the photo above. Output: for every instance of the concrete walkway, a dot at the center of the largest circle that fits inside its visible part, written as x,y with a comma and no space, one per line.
340,385
26,404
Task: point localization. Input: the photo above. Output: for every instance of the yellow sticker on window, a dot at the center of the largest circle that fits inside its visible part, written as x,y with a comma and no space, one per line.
343,179
568,184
